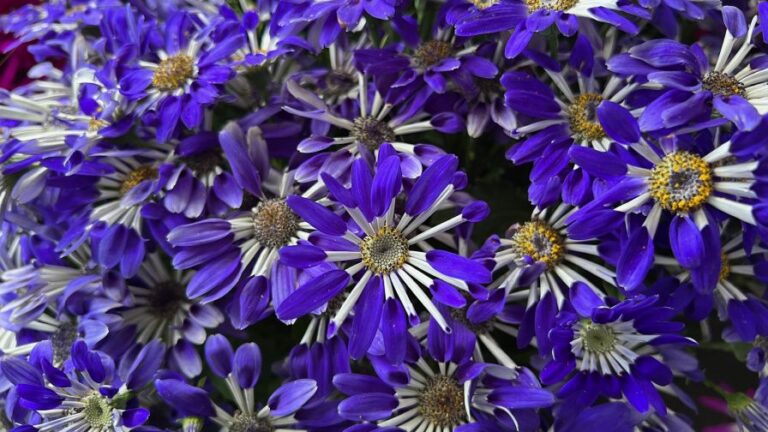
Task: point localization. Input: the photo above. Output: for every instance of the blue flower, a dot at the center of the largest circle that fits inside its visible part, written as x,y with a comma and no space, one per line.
241,370
427,394
694,83
696,183
83,397
186,76
607,350
380,249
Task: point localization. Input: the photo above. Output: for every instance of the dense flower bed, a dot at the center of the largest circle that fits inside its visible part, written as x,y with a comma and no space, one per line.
381,215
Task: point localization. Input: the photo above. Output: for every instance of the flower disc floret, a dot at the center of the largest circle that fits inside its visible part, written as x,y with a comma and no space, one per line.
681,182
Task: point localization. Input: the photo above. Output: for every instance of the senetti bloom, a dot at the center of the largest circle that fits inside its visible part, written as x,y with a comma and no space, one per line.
381,250
696,184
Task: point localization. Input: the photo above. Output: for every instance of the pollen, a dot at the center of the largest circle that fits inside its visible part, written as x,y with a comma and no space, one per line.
582,116
539,241
725,267
135,177
681,182
274,223
172,73
431,53
484,4
94,124
97,412
550,5
441,402
723,84
598,338
371,132
385,251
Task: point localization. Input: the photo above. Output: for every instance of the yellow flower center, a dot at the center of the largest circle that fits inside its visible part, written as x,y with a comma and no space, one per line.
431,53
681,182
172,73
551,5
484,4
385,251
723,84
274,223
441,402
582,116
137,176
539,241
725,267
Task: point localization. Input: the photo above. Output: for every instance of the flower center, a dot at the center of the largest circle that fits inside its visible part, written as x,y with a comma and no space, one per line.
431,53
598,338
371,132
582,116
723,84
550,5
203,163
166,299
274,223
725,267
484,4
539,241
62,341
385,251
97,412
94,124
339,83
172,73
137,176
441,402
460,315
250,423
681,182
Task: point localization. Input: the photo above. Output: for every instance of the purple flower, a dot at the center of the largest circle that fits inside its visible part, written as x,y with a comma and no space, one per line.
379,248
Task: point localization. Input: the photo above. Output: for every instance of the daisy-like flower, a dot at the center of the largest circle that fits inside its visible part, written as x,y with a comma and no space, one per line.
246,242
612,349
200,182
160,310
731,83
382,248
185,77
738,283
430,392
540,260
528,17
368,128
439,62
241,370
587,111
694,183
81,397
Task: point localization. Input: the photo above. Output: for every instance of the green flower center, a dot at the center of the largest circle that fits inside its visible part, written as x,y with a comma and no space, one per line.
250,423
598,338
97,412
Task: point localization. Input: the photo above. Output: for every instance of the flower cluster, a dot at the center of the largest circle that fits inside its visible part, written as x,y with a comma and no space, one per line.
422,216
